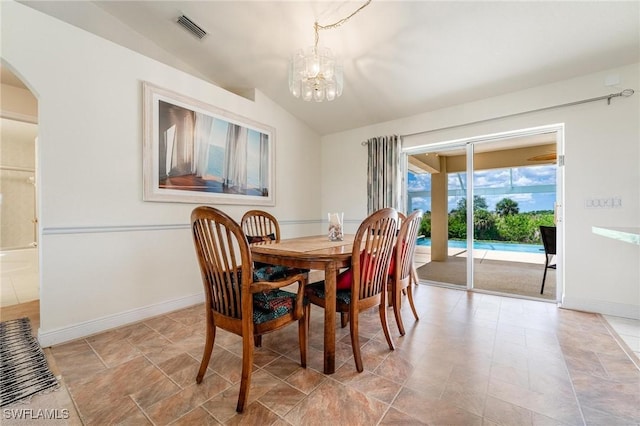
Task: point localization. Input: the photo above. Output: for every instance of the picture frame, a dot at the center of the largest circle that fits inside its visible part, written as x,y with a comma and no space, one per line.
194,152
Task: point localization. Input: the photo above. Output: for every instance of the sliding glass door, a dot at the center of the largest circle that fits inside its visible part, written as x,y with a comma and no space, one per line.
437,184
514,194
485,202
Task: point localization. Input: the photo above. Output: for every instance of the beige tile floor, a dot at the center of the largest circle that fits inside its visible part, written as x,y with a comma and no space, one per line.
471,359
19,276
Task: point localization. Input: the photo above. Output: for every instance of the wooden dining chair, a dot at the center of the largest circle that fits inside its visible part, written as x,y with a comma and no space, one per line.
237,298
402,269
414,273
259,225
371,256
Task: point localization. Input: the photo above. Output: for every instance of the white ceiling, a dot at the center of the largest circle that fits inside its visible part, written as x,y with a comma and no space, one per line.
400,58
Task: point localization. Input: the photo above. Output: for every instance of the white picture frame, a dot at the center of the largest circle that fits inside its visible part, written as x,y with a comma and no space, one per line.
194,152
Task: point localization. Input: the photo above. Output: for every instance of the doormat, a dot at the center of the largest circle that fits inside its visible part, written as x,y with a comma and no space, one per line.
23,366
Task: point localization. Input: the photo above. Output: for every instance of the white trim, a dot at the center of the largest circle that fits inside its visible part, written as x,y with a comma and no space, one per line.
468,143
104,229
80,330
156,227
469,152
25,118
623,310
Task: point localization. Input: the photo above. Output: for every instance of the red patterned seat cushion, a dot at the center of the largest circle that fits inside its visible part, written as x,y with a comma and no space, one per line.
345,278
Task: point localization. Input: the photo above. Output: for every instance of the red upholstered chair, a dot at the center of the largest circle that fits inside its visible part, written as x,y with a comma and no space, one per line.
371,256
238,298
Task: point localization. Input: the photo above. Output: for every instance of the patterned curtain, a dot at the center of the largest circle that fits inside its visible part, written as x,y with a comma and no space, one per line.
383,173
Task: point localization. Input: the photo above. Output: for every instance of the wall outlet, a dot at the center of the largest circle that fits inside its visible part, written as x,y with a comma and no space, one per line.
603,203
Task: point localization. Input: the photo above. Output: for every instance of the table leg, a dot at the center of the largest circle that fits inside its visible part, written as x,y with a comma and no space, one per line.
330,273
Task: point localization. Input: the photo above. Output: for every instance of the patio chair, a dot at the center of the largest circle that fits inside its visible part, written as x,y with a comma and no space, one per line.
371,256
402,269
237,297
548,235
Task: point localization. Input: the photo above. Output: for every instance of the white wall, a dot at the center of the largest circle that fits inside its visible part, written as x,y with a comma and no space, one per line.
17,192
602,148
18,104
107,257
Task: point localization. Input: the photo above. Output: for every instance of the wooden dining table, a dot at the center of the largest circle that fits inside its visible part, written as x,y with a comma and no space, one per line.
318,253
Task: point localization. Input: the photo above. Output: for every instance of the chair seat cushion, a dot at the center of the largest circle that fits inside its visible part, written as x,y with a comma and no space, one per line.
260,238
272,304
392,264
271,273
317,290
264,272
345,278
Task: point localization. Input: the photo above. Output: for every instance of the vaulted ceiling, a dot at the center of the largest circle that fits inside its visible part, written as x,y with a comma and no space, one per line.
400,58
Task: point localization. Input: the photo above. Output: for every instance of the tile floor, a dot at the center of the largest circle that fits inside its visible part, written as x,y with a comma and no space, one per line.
19,279
471,359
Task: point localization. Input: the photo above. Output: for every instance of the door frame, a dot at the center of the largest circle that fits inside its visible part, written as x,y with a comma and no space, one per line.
468,144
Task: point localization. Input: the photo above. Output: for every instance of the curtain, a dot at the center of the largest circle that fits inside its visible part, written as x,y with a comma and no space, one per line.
235,164
383,173
202,136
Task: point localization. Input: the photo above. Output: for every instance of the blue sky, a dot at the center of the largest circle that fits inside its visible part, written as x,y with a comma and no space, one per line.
497,178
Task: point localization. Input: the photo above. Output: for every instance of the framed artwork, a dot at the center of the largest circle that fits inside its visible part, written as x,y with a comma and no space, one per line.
197,153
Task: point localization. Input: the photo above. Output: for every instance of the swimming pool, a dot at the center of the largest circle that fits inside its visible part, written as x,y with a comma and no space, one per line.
490,245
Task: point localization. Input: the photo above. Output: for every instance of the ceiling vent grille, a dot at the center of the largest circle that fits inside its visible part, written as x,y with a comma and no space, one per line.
192,27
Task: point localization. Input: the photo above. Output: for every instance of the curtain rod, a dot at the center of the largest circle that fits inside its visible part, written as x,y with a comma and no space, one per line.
625,93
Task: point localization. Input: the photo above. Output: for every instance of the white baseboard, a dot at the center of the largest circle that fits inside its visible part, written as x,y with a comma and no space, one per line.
77,331
602,307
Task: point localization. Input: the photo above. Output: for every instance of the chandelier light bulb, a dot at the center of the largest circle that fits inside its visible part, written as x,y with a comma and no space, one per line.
314,74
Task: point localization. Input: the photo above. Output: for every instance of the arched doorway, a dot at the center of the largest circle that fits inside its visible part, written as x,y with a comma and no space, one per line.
18,202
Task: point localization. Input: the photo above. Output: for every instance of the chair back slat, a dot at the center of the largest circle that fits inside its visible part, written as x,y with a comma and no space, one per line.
371,255
224,258
406,244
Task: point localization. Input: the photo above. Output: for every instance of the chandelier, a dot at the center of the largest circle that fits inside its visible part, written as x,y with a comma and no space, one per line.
314,73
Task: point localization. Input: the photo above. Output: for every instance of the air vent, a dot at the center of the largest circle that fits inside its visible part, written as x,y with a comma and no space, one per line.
192,27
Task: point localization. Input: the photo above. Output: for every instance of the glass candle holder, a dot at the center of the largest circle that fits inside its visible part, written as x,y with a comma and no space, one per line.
336,221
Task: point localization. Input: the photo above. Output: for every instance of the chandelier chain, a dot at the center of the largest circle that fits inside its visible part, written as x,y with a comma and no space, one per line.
317,26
